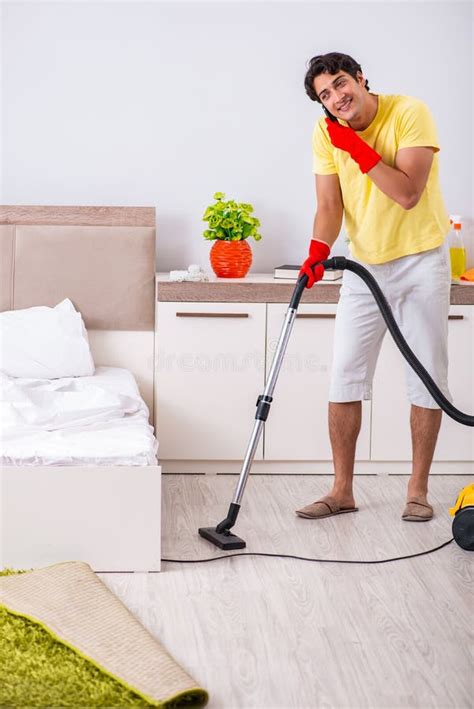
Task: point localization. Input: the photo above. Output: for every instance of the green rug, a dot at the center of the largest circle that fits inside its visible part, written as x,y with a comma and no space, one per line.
38,670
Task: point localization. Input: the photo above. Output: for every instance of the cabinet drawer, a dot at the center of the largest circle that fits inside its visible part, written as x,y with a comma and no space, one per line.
209,370
297,427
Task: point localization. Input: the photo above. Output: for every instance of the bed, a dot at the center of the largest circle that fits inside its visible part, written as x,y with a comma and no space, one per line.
90,489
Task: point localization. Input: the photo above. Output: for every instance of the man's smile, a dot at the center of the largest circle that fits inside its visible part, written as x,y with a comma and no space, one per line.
345,105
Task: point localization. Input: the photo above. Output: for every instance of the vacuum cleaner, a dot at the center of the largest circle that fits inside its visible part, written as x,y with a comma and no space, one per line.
463,523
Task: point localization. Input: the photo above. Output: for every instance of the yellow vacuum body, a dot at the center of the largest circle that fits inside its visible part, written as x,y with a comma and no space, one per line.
463,522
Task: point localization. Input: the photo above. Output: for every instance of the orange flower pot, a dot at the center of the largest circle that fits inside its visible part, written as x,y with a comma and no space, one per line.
230,259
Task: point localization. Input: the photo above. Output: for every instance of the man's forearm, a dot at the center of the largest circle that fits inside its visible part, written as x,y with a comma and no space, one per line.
395,184
327,224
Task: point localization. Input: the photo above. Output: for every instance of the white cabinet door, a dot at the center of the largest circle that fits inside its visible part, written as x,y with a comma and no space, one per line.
297,426
391,439
209,371
456,441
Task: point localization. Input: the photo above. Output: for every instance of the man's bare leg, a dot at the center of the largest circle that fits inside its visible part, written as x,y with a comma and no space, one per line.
344,426
425,424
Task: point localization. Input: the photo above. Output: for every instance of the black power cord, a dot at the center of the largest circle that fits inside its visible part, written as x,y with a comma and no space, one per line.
304,558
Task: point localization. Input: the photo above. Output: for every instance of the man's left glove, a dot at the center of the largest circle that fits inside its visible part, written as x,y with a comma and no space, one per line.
345,138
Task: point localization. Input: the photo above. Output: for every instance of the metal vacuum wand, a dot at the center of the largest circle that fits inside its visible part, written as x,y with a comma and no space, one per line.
221,535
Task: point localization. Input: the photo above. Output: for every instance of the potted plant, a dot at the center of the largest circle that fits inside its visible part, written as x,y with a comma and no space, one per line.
230,225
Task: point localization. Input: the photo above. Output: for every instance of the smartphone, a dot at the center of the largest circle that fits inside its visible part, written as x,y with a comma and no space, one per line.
329,115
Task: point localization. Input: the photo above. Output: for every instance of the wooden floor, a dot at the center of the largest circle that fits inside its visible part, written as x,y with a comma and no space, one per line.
267,633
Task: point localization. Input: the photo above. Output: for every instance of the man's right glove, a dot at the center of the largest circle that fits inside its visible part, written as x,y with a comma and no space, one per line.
345,138
318,251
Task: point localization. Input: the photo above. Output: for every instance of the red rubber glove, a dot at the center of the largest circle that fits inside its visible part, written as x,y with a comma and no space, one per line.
318,251
345,138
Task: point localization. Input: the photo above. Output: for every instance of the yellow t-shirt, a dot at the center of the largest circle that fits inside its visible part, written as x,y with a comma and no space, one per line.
379,229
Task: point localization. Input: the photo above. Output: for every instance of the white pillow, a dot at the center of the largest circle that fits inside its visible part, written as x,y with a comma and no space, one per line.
45,343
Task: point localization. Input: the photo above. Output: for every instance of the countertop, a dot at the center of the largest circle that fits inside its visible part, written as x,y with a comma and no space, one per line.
263,288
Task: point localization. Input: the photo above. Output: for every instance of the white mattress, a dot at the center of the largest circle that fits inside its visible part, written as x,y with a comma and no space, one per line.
97,420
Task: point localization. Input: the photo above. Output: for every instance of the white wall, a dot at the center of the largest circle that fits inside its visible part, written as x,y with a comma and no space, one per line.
165,103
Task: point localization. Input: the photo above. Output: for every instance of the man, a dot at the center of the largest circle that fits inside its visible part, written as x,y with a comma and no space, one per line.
378,167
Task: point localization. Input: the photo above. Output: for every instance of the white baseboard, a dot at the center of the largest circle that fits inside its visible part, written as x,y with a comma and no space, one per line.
282,467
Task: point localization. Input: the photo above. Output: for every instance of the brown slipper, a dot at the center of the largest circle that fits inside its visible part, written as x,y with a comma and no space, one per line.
325,507
417,511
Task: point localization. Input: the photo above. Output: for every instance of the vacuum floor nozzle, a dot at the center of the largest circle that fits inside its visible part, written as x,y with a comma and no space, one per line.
223,540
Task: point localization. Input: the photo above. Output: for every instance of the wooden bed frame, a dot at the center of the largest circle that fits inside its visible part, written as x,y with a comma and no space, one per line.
103,259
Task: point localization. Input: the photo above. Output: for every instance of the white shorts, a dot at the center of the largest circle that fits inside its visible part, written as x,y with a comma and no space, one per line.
418,289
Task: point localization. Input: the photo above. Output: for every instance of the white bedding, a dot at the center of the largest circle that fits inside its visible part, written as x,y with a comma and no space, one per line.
96,420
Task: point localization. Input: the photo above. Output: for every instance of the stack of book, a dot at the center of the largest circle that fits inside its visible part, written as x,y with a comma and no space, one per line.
290,273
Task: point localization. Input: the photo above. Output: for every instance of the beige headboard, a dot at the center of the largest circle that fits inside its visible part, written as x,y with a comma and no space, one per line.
103,259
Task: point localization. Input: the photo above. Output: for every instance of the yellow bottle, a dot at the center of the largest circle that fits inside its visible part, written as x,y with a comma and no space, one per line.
457,252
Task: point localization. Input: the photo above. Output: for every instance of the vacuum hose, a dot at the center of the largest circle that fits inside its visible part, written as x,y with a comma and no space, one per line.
341,263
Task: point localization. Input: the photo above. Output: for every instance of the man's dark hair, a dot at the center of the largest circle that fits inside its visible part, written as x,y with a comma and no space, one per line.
329,64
